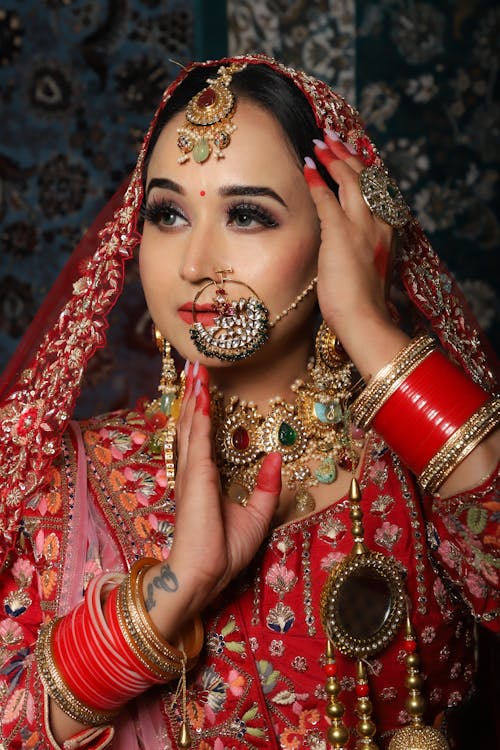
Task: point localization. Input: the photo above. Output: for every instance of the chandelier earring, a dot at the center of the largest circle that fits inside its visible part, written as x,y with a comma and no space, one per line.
240,326
323,405
169,381
164,410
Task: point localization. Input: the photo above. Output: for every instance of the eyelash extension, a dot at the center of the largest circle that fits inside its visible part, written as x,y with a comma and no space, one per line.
154,211
254,211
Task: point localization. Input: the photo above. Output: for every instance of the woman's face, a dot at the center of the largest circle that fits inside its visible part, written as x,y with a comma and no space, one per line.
250,211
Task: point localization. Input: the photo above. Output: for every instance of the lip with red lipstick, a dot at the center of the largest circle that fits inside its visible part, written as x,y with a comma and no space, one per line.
205,313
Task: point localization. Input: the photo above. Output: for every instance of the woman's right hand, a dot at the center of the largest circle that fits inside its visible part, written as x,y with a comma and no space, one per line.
214,538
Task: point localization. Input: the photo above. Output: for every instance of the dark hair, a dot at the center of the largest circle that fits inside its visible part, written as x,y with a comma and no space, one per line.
264,86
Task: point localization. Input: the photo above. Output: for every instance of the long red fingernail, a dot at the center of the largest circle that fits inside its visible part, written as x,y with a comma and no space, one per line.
202,398
189,381
339,148
311,174
325,155
269,476
203,375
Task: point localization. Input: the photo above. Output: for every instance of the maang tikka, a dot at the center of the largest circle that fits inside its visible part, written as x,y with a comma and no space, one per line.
208,123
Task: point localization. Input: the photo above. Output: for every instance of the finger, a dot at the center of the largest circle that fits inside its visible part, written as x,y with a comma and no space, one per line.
345,173
185,419
325,201
264,499
188,386
199,454
344,151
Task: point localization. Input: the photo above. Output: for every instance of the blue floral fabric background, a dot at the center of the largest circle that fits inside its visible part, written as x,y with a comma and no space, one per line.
79,80
425,77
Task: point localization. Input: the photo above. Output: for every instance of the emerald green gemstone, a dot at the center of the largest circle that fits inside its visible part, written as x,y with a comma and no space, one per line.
201,151
286,434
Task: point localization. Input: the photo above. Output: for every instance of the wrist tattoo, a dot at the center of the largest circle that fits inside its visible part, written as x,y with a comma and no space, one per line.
166,581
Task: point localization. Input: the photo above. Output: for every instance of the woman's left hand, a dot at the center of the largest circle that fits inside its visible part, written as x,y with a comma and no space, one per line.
354,260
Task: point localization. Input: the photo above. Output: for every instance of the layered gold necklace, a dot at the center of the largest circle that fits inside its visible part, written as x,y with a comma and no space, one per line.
314,434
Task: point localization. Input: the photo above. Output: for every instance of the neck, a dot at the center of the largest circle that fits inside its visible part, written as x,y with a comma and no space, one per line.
261,377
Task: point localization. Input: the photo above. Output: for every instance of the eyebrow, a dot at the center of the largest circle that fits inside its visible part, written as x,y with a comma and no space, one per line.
225,192
232,190
166,184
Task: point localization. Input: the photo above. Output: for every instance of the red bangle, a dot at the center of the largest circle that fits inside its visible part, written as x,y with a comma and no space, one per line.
93,659
434,401
121,645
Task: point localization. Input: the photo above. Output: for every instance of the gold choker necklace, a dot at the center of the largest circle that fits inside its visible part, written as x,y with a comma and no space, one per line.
314,435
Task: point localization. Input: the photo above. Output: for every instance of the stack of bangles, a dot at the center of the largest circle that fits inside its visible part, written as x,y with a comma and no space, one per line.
427,411
96,658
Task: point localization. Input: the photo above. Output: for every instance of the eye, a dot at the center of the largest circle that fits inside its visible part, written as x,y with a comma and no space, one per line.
163,213
250,216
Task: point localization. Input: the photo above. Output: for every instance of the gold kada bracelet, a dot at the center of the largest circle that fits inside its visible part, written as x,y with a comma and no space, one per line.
56,686
143,637
460,444
388,380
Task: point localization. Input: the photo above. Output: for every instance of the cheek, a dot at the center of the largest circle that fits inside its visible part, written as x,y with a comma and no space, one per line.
152,273
144,266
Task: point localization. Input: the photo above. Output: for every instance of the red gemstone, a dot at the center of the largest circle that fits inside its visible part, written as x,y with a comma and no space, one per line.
330,669
158,419
347,461
241,439
362,689
410,646
207,98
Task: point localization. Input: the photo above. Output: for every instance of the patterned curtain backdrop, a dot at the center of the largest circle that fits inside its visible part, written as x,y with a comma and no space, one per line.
425,76
79,81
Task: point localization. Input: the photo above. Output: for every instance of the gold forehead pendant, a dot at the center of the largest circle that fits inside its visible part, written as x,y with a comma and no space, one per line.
208,125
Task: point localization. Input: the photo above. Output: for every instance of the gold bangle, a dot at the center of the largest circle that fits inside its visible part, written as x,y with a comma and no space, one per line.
132,631
459,445
56,686
143,638
158,669
191,634
138,609
389,379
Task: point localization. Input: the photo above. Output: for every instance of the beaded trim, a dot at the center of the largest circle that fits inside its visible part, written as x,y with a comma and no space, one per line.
388,380
418,532
459,445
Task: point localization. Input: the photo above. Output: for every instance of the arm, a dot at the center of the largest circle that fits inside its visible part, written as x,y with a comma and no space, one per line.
352,277
214,540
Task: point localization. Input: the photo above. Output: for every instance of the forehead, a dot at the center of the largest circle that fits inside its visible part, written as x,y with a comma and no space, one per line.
258,146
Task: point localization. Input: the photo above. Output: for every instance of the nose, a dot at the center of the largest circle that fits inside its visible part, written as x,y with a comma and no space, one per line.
202,253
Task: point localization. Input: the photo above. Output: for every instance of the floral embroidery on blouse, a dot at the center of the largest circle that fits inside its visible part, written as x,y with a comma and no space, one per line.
259,682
